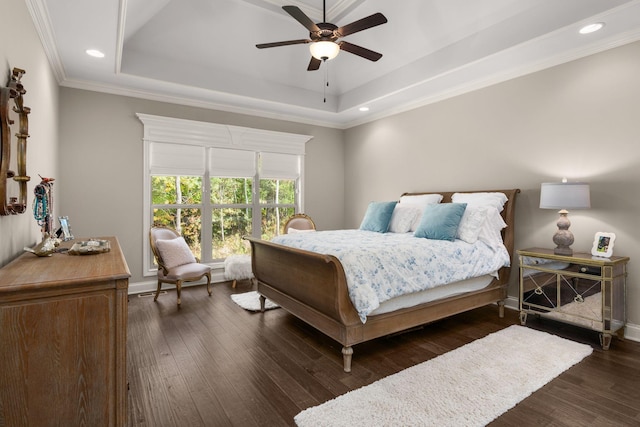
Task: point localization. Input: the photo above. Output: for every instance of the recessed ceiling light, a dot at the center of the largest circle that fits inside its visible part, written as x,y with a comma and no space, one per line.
363,109
95,53
591,28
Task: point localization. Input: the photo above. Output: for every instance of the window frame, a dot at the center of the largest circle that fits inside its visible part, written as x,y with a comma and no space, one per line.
158,129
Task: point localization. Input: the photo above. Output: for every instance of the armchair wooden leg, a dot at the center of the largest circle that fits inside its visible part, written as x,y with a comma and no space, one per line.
155,298
178,289
208,283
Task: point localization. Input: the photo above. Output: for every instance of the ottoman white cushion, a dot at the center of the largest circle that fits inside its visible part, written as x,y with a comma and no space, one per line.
238,267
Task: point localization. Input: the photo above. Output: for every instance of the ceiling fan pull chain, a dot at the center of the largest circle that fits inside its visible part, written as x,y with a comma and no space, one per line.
326,80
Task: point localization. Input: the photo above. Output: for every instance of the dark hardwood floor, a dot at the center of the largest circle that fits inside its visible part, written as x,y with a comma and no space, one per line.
211,363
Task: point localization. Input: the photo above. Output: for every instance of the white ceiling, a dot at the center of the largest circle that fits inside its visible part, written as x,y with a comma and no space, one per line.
202,52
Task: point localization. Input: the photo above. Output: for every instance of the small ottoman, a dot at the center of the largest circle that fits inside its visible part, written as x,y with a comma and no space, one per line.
237,267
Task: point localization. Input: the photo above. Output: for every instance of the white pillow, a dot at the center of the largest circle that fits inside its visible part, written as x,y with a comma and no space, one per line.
420,201
471,224
175,252
292,230
497,200
492,227
403,217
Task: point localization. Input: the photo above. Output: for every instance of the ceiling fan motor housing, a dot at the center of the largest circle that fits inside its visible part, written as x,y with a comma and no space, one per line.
326,33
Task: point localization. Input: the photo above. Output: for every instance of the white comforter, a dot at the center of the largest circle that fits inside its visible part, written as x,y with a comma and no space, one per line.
381,266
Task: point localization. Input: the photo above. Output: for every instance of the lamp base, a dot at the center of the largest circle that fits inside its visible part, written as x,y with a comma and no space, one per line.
563,237
563,251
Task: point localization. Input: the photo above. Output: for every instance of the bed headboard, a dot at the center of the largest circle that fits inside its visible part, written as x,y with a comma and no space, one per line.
508,214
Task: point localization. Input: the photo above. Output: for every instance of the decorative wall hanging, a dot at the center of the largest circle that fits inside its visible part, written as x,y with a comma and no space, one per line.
13,176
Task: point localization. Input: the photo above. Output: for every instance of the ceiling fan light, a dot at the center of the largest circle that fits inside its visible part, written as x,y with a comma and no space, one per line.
324,50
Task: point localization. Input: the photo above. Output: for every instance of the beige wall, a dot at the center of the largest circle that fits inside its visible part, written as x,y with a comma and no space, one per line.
20,47
579,120
102,168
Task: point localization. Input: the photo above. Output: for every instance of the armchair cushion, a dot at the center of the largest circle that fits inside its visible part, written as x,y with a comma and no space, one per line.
186,272
175,252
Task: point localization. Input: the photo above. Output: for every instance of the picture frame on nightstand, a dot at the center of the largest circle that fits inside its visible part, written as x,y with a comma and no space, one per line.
603,244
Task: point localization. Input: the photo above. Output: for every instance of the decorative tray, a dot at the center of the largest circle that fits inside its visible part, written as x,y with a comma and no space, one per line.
89,247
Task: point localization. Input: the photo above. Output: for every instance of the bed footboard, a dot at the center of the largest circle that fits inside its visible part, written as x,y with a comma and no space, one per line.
311,286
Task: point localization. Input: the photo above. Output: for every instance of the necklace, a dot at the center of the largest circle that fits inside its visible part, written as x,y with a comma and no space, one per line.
42,205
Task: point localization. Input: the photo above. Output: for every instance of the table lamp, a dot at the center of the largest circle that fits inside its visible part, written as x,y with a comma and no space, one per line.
564,195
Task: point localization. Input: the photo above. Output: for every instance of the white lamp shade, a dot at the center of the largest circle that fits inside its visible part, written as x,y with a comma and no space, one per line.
565,195
324,50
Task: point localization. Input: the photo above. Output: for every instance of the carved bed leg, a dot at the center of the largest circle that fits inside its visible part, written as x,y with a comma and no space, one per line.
347,352
501,309
262,301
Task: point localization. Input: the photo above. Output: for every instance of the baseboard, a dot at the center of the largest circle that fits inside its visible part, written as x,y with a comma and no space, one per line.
631,331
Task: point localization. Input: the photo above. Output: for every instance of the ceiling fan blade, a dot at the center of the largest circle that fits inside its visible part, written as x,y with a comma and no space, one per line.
360,51
299,16
314,64
284,43
361,24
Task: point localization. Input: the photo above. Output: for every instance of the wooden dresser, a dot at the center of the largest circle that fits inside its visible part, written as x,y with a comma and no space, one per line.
63,328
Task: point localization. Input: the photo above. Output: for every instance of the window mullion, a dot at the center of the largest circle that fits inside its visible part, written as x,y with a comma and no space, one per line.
207,217
256,219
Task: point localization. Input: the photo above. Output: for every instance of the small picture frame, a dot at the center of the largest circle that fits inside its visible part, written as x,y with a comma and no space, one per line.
603,244
64,232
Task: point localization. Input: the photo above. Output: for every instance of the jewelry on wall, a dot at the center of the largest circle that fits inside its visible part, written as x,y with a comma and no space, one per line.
43,205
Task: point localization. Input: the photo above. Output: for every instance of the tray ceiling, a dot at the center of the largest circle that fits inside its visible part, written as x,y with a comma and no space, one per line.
202,52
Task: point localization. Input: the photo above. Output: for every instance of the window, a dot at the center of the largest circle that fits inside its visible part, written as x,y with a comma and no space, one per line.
177,203
217,183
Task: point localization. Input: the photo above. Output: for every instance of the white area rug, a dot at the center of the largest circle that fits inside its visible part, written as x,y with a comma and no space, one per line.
469,386
251,301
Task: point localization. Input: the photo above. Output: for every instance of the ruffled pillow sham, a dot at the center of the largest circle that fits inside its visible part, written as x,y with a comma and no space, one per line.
419,201
403,218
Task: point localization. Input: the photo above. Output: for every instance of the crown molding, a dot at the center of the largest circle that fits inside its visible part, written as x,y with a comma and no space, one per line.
39,15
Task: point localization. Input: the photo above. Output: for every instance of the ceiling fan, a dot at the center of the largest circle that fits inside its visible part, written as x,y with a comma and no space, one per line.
324,36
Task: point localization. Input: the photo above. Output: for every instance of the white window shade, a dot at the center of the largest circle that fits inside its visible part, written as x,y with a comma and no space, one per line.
232,163
176,159
279,166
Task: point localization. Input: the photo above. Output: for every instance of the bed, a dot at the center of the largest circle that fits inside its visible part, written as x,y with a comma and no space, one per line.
314,287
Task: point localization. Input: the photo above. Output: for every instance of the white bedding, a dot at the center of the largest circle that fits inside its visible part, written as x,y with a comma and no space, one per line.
382,266
433,294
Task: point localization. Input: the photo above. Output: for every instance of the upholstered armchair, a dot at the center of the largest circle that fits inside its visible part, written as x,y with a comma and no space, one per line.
176,263
299,222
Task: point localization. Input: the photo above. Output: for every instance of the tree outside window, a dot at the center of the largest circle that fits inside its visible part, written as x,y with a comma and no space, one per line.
177,203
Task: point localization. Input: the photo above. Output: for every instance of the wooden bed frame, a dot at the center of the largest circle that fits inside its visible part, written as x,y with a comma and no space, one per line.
313,287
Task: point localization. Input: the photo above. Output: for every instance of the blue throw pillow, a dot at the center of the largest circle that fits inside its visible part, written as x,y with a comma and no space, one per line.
378,216
440,222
